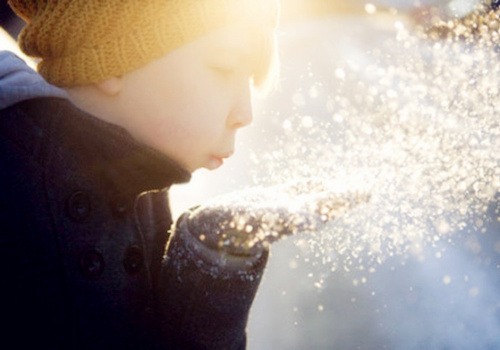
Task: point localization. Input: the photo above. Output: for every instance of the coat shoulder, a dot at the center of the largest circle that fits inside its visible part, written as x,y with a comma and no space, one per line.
26,126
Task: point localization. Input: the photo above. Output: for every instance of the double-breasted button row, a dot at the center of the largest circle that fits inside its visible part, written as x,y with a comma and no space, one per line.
78,206
92,261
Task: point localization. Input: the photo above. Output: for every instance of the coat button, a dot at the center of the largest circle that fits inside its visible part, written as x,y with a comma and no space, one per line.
133,260
92,263
120,206
78,206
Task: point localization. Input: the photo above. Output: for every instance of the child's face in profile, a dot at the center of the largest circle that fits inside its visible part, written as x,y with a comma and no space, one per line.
190,103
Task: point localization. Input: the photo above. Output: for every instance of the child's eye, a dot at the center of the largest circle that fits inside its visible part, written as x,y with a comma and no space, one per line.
224,70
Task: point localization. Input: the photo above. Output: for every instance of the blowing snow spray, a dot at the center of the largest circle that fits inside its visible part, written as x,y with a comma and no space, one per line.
414,123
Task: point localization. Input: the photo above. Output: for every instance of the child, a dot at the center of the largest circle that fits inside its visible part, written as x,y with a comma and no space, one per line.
136,95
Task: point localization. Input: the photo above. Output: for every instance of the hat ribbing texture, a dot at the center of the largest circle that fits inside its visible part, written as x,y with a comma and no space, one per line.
86,41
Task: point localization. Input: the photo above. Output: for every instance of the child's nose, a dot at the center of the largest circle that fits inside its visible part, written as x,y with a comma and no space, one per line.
242,113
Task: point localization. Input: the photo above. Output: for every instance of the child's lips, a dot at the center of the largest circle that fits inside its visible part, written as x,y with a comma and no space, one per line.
217,161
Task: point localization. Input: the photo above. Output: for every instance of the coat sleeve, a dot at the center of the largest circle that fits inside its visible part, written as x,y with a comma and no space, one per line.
204,295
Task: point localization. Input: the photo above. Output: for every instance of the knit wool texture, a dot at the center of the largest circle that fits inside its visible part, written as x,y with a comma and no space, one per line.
86,41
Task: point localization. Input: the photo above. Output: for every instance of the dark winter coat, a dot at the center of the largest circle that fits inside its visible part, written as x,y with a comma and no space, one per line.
84,222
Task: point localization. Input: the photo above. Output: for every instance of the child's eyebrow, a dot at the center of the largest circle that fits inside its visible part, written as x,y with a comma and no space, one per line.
242,54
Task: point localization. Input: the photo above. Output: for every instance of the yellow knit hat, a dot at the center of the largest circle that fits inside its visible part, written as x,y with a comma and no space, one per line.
86,41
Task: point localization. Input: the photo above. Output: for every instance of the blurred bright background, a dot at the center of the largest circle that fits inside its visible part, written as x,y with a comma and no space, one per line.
364,99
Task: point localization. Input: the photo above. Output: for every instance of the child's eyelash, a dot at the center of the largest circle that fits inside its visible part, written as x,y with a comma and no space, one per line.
224,69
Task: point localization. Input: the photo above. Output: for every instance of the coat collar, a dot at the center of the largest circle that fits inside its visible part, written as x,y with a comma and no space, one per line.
132,166
107,152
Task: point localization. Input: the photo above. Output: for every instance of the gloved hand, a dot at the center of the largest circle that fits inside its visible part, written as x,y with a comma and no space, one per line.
245,222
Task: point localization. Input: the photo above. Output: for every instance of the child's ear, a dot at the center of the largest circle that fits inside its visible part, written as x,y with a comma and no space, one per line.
111,86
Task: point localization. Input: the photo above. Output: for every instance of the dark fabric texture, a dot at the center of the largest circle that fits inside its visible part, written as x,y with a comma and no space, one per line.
204,286
84,221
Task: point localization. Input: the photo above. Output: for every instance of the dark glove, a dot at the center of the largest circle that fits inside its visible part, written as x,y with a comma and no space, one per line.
246,222
216,257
